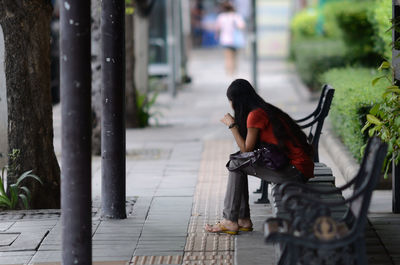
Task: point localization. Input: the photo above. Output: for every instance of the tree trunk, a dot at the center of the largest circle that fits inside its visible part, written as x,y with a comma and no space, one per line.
132,120
96,77
26,27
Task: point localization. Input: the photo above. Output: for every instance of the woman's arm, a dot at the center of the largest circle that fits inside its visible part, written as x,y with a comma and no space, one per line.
245,145
251,139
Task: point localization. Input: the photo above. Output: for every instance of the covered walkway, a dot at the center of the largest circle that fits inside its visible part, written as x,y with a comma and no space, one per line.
176,182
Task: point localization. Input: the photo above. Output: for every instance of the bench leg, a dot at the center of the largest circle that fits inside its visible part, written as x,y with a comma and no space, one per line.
264,193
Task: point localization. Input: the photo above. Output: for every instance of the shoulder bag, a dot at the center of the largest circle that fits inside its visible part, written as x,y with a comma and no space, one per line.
269,156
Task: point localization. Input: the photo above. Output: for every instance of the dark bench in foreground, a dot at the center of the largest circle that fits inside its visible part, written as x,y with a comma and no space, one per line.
314,224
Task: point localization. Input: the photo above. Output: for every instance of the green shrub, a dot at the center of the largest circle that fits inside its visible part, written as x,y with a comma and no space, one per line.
354,96
331,27
358,31
303,24
315,56
379,16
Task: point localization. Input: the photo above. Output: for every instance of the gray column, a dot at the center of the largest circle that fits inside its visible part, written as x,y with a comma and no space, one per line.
171,46
113,113
141,32
3,105
178,41
396,66
253,38
76,132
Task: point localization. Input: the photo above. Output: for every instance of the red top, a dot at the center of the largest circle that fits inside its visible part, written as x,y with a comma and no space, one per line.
298,158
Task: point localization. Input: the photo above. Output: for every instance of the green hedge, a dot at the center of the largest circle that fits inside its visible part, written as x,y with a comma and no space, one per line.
380,16
330,25
315,56
303,24
358,31
354,96
354,33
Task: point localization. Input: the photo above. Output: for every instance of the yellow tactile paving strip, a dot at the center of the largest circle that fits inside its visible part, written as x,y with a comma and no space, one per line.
93,263
204,248
150,260
201,247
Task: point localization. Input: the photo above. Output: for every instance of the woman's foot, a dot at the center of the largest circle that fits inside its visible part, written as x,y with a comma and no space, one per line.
245,225
225,226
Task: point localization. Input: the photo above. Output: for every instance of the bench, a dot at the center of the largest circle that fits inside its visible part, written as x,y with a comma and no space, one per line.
314,224
314,123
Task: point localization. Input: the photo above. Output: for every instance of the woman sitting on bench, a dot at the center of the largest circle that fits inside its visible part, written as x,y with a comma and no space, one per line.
256,122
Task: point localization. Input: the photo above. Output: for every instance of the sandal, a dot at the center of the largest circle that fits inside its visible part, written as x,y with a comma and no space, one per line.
222,229
245,229
248,225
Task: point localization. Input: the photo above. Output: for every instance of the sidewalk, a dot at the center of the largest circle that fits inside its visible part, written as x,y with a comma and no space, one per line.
176,180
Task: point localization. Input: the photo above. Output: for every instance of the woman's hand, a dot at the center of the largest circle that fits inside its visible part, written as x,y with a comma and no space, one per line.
245,145
227,119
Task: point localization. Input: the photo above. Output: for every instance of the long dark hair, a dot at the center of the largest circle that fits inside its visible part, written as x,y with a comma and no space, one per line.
245,99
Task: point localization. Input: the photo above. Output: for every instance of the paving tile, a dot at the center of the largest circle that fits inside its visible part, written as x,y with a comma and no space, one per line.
145,252
27,240
47,247
4,226
210,242
6,239
47,256
161,247
20,257
32,223
108,262
109,251
113,243
111,237
149,260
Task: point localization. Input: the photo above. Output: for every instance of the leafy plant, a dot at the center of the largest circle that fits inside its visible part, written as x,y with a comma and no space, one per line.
144,105
383,119
16,192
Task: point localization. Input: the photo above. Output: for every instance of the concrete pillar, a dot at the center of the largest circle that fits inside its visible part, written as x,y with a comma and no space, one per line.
178,35
76,173
3,105
141,31
253,39
396,66
113,192
171,46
